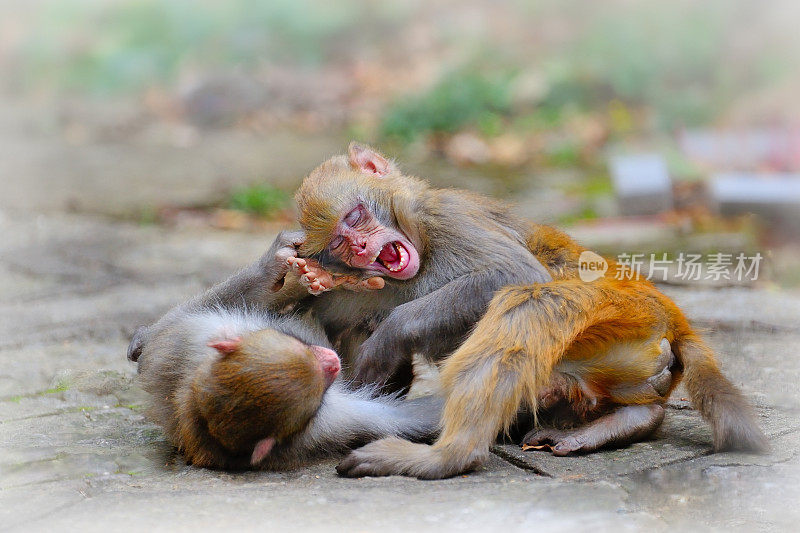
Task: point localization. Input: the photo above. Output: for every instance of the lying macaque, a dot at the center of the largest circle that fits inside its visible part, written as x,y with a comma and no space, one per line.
236,389
236,385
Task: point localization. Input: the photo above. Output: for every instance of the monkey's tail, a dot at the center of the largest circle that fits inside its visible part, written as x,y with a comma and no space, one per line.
717,399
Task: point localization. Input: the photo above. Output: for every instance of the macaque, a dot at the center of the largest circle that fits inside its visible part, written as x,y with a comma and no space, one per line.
236,385
442,254
498,303
239,389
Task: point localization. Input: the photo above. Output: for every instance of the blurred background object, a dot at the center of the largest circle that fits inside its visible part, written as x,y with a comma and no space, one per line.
619,120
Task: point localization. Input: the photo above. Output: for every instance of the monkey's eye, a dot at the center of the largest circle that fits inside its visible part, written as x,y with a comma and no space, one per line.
353,217
336,242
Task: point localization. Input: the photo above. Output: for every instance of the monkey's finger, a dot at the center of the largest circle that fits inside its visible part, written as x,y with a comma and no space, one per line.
292,238
314,288
299,268
351,466
311,282
542,436
284,254
571,444
373,283
365,470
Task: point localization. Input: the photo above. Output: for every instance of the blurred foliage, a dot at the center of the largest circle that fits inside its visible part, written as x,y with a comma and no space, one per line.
593,186
679,63
465,97
565,154
672,59
585,213
262,200
129,44
685,61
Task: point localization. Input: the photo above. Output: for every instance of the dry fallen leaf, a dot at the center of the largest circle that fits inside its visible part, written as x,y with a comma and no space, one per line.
526,447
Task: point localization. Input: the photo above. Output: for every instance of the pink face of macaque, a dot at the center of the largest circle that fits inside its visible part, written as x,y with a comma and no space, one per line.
363,242
328,361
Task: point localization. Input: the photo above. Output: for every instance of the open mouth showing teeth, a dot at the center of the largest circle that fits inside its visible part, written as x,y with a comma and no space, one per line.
393,256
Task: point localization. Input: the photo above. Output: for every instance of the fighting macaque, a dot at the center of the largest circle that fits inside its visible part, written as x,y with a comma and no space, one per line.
235,385
442,254
497,301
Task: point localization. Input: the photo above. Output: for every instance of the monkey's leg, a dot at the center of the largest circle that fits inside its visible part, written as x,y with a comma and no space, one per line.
485,392
623,426
564,391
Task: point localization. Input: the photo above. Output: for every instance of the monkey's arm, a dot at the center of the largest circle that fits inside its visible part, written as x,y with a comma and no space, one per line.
261,285
347,418
435,324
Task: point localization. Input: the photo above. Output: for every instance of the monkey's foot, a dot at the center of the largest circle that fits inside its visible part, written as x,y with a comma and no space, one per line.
560,442
312,276
623,426
394,456
318,280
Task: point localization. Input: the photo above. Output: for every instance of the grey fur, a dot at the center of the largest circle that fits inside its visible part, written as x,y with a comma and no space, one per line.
472,250
250,288
174,350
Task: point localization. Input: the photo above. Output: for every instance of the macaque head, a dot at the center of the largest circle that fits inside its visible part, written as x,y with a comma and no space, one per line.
360,212
264,387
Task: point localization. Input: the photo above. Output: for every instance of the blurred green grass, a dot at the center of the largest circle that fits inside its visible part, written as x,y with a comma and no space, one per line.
128,45
680,59
260,199
631,69
465,97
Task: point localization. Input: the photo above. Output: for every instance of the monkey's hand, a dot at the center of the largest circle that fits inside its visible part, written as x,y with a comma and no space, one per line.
274,263
383,356
318,280
392,456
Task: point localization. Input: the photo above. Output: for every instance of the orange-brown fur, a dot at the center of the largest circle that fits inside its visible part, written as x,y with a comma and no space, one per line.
269,387
530,330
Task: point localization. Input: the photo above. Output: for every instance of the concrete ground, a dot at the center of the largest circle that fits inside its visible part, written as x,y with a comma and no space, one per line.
77,453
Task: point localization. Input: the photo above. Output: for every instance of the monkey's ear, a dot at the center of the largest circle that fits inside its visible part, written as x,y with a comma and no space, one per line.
367,160
226,346
262,449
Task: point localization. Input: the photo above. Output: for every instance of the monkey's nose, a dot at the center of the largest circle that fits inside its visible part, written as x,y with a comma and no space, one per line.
328,361
359,248
331,367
